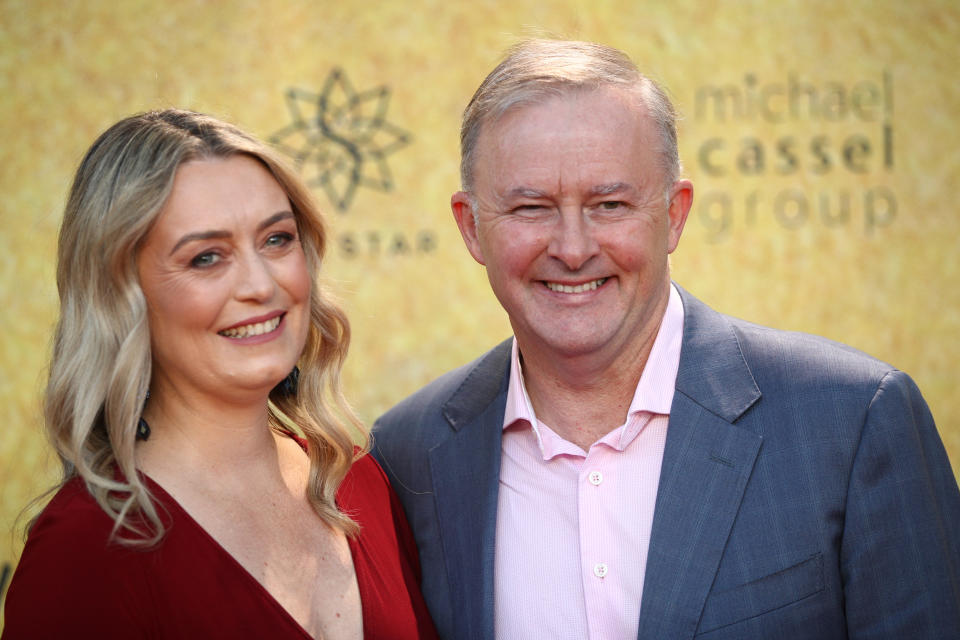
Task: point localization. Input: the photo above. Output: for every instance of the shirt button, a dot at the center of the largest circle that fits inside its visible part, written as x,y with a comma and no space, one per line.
596,478
600,569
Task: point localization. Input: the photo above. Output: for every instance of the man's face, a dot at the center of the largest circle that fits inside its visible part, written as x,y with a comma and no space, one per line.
573,223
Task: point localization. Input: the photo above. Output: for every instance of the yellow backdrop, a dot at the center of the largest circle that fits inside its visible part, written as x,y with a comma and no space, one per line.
821,138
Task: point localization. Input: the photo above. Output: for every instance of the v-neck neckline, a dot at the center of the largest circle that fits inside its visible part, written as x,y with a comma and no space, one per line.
169,502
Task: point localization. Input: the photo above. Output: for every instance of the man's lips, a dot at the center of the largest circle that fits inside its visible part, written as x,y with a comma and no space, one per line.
575,288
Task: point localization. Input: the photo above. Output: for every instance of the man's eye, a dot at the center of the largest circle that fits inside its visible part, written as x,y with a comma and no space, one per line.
529,209
207,259
611,205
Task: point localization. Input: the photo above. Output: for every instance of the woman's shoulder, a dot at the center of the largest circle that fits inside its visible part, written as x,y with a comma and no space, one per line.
367,497
364,485
74,534
384,555
71,515
69,568
75,515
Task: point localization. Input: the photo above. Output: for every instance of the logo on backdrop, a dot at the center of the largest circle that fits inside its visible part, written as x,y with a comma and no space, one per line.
340,139
768,131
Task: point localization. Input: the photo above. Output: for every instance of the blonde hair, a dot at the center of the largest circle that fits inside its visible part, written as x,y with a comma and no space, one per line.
537,69
101,362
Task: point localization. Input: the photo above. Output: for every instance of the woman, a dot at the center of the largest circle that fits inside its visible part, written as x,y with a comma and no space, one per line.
207,490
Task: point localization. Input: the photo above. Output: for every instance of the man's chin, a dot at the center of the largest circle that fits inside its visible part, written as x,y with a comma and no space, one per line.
567,345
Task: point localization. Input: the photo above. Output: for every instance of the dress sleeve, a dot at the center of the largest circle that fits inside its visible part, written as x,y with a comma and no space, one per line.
71,582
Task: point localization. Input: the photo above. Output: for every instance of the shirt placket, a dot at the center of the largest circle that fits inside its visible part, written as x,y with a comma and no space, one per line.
595,563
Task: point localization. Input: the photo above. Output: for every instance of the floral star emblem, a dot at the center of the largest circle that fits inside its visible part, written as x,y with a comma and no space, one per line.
340,139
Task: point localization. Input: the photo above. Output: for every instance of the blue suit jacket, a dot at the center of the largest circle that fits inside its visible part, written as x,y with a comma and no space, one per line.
804,493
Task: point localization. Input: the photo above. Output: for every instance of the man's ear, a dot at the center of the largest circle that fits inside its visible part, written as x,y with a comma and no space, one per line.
681,199
463,214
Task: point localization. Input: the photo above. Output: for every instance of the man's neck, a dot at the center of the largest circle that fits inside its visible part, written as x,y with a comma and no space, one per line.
583,398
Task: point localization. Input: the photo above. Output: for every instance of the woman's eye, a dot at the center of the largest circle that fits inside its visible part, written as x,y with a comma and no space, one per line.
279,239
207,259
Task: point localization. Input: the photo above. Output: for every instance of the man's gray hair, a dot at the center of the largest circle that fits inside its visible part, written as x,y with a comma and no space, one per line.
535,70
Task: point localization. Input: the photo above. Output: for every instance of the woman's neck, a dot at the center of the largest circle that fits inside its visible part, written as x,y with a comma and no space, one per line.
204,437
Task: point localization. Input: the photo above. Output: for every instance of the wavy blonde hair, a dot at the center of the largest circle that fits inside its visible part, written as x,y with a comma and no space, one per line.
101,362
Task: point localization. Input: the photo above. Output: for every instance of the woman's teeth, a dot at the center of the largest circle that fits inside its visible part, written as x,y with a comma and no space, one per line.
249,330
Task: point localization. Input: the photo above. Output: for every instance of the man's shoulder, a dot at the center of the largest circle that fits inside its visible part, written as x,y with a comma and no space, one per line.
780,352
799,355
479,379
403,436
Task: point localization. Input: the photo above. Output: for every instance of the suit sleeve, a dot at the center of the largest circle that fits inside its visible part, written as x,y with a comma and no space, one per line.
900,552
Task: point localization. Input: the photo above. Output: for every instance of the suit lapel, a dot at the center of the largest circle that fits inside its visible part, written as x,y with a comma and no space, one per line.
706,465
465,470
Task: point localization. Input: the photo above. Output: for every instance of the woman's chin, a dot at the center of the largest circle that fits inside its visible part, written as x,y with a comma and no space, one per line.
253,387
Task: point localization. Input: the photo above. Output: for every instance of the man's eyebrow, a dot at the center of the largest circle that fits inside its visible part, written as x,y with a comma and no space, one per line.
597,190
222,233
525,192
607,189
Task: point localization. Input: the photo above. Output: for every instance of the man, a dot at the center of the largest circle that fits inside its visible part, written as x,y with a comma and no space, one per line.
633,464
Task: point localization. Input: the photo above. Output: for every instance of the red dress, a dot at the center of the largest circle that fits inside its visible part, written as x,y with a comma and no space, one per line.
71,583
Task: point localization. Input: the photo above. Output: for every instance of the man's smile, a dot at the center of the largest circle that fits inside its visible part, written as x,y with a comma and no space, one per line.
579,288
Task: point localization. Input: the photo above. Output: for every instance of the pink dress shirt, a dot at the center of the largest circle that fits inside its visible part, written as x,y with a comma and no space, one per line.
573,527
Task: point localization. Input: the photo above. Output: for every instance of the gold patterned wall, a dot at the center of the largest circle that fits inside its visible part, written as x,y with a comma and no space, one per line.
821,138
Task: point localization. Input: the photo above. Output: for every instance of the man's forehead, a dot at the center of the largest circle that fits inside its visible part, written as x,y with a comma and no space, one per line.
632,97
604,117
588,142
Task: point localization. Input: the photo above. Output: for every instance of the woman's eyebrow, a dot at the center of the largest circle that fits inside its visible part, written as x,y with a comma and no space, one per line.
200,235
222,233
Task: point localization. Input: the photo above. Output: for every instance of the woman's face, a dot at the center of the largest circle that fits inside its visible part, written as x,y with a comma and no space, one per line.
226,282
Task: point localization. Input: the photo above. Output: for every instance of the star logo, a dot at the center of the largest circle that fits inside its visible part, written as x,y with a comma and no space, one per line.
340,139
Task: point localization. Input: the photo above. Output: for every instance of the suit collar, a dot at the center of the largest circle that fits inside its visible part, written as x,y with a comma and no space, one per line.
707,463
713,372
481,386
465,471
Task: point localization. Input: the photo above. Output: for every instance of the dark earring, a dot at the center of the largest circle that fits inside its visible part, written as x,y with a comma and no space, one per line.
143,429
287,388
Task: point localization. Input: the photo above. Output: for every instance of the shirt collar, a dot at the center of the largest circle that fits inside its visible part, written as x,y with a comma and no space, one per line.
654,393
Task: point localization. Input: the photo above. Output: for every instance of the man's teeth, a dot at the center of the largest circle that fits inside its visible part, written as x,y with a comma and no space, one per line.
580,288
248,330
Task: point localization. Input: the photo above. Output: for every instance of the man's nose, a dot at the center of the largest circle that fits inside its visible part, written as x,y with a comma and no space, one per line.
572,240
